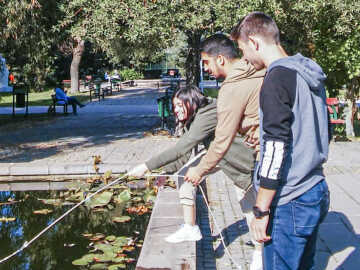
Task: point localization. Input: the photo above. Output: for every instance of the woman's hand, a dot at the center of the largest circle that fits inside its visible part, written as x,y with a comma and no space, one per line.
138,171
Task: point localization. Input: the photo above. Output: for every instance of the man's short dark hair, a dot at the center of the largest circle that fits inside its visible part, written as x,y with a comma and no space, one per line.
219,44
256,23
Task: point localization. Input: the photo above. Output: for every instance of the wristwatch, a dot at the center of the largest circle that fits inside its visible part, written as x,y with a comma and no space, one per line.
258,213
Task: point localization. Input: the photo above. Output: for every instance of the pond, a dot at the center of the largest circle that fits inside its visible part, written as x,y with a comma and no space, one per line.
104,233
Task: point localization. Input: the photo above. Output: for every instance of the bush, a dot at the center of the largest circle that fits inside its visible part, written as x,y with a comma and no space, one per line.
130,74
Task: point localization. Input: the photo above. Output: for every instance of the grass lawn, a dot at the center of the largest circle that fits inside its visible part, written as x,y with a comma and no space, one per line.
39,99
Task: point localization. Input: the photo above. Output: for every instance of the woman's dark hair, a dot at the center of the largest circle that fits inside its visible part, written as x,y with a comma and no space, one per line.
193,99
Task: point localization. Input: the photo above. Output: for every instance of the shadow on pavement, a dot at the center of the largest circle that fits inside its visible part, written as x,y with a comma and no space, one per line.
336,236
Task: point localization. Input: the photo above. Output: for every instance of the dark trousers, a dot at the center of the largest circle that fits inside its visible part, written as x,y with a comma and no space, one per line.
74,101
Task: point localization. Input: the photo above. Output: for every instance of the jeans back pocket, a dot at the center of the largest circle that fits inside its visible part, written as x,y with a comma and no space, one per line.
309,209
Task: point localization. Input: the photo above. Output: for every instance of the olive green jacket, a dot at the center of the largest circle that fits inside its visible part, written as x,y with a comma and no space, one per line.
237,163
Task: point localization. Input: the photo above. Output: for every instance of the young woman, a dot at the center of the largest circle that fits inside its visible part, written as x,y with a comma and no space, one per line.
199,115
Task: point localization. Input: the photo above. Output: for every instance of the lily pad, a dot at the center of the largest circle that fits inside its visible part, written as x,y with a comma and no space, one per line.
43,211
149,195
84,260
99,266
124,196
117,266
97,236
107,257
107,175
76,197
121,219
101,199
110,238
120,241
105,248
51,201
119,259
137,199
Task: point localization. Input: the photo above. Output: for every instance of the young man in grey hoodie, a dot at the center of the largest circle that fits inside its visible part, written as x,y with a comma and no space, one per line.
293,196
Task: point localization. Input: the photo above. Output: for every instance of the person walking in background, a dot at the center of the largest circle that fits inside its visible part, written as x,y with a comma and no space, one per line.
293,197
73,101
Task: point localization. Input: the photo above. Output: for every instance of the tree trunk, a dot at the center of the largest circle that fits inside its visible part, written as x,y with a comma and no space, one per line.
351,109
192,64
349,120
74,68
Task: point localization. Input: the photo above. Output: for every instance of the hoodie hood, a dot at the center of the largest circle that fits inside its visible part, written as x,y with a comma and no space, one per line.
310,71
243,70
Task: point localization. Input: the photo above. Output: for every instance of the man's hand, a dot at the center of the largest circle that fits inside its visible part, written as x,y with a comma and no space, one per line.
192,176
259,226
138,171
252,139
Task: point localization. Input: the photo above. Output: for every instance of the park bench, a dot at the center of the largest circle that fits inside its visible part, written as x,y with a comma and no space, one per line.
333,108
96,91
116,84
57,102
129,83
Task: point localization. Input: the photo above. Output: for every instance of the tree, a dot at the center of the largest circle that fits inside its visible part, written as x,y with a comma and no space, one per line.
329,33
27,40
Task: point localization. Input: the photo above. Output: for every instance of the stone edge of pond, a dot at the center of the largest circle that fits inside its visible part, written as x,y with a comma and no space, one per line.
166,218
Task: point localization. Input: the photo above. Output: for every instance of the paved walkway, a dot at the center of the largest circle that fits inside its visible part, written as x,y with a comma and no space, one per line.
114,129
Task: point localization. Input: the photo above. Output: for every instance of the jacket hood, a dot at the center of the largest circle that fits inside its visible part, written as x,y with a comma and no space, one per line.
311,72
243,70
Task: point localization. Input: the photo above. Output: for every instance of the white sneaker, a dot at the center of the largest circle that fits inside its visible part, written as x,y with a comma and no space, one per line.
256,261
185,233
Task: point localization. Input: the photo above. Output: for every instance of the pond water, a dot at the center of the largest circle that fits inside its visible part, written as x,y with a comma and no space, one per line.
82,232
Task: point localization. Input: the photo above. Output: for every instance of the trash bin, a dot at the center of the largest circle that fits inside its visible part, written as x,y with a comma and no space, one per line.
163,102
20,100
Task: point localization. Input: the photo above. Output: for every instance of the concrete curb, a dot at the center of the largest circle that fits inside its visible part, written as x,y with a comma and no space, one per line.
25,169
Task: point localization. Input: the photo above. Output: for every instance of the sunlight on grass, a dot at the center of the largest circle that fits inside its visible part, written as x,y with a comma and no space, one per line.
39,99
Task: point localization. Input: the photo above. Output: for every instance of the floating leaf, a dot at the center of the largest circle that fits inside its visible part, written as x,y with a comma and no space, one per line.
117,266
84,260
149,195
119,186
121,219
7,219
87,235
78,185
100,199
107,257
108,249
140,210
97,236
43,212
137,199
119,259
124,196
99,266
100,210
120,241
110,238
76,197
51,201
128,248
107,175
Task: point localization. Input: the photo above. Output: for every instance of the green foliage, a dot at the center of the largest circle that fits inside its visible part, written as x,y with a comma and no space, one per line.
130,74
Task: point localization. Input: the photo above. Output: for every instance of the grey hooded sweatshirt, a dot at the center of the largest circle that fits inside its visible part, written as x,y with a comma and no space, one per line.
294,128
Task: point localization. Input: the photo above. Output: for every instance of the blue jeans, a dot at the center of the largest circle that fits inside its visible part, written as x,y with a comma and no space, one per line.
293,228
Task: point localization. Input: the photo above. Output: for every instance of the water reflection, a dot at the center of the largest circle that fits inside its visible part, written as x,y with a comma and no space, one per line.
63,243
